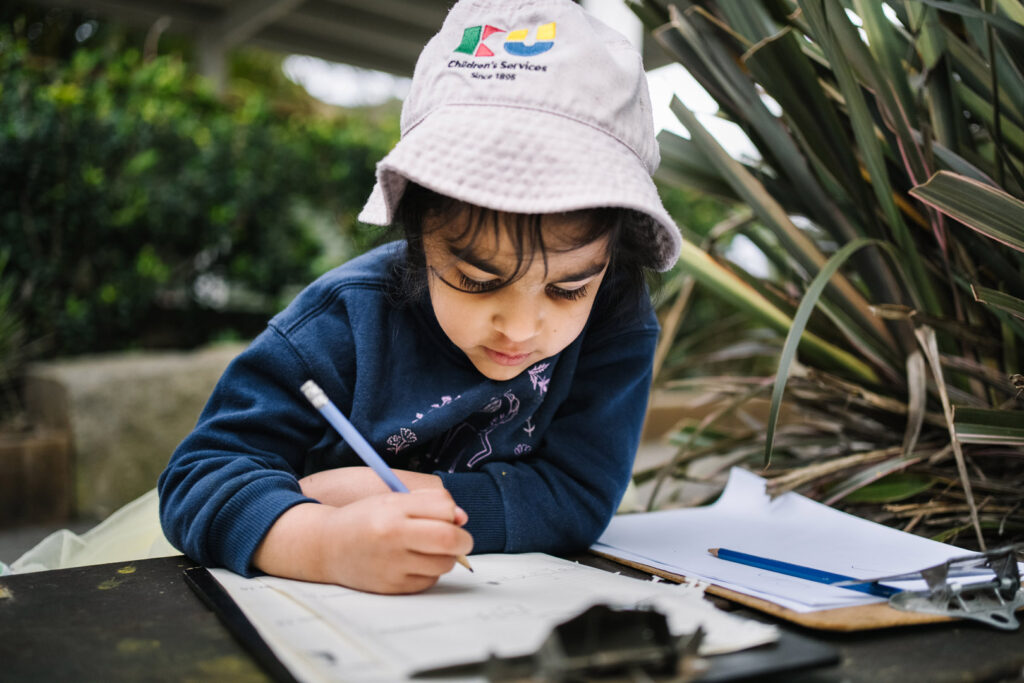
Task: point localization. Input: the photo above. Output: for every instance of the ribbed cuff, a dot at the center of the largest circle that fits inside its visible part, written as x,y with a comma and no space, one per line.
478,495
245,520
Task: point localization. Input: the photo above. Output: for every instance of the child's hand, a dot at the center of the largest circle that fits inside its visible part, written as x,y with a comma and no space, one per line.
395,543
346,485
388,543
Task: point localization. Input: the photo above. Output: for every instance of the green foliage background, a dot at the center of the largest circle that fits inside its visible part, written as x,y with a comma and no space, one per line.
138,208
887,192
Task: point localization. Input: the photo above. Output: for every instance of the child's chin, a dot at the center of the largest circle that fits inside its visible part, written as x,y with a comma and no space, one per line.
497,372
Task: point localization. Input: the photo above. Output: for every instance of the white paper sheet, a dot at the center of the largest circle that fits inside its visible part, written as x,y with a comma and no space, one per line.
791,528
507,606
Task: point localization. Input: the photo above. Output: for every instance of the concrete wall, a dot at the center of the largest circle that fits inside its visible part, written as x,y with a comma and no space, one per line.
125,413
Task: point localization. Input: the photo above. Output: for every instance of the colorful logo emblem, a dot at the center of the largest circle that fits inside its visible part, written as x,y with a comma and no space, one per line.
474,40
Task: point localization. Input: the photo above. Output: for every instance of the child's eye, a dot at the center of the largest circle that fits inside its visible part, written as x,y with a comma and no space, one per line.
468,284
568,294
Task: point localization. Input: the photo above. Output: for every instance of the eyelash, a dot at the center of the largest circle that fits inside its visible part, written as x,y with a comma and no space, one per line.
472,286
569,294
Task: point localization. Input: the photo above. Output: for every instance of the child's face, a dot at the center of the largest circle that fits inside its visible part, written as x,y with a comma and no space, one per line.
504,330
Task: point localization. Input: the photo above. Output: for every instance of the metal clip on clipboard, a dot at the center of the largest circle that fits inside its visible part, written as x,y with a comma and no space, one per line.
992,602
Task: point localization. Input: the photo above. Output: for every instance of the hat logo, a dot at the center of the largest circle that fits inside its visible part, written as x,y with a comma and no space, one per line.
474,37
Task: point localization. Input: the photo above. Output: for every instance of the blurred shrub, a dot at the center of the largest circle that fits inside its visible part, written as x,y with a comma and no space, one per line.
132,200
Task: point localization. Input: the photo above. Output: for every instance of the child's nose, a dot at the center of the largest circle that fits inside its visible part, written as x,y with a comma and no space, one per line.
518,321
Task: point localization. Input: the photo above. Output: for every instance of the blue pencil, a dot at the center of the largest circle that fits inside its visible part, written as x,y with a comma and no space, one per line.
802,572
361,446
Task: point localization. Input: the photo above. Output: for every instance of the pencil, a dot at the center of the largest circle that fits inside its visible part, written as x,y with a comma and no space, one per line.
802,572
315,395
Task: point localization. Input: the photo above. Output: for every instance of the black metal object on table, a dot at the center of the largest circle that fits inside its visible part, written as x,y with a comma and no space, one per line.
601,641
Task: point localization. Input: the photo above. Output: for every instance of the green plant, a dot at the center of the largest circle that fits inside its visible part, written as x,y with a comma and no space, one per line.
137,206
888,197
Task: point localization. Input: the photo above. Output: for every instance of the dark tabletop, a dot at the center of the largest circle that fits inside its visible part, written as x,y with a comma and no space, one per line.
139,621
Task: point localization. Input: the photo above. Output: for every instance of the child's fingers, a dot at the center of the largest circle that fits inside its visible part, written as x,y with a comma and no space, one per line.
433,504
413,583
427,565
432,537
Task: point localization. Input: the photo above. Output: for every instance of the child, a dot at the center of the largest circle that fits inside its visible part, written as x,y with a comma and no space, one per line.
498,357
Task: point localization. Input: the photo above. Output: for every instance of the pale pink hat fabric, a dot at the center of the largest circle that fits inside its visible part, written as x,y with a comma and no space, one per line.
529,107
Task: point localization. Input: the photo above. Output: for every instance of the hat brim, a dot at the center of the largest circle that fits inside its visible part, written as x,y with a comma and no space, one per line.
523,161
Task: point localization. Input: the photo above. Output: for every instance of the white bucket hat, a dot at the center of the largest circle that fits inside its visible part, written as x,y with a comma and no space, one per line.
530,106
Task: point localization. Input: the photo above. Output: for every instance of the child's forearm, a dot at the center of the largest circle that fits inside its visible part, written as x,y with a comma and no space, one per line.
346,485
292,547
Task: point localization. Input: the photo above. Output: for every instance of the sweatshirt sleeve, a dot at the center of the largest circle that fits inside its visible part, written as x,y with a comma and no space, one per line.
237,472
562,497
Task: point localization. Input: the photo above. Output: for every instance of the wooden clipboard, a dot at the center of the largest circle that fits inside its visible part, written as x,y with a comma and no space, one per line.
859,618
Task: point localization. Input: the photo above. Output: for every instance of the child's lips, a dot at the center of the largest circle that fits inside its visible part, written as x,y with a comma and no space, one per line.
503,358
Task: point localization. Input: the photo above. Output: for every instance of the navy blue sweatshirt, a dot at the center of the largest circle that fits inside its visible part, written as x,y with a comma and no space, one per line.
538,462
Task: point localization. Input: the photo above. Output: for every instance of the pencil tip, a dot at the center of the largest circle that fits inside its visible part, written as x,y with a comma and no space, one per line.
713,551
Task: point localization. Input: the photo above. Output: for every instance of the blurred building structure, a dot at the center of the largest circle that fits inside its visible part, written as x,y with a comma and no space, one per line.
384,35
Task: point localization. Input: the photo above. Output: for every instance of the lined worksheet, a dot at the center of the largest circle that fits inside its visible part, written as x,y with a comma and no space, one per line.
506,607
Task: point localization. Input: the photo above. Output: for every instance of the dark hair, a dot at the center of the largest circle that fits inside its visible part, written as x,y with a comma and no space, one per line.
630,238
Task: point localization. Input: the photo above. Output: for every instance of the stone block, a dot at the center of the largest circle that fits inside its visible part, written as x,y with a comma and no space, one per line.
35,477
125,414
